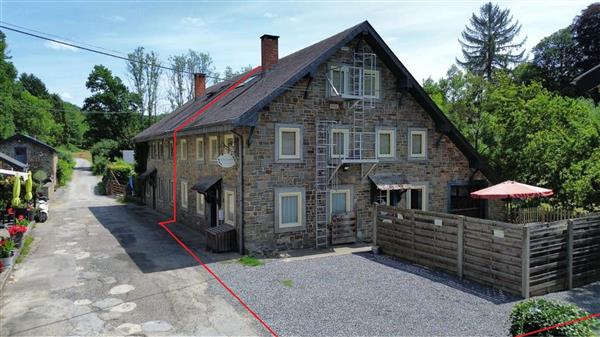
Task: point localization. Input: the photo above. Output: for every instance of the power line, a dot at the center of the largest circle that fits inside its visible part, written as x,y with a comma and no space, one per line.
101,52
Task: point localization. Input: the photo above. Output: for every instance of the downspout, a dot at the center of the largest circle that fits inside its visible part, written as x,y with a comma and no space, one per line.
241,183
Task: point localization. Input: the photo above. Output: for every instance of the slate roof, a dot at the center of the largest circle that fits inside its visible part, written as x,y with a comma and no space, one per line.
241,106
27,138
12,162
588,80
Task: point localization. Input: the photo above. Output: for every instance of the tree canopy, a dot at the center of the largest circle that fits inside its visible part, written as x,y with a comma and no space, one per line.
489,42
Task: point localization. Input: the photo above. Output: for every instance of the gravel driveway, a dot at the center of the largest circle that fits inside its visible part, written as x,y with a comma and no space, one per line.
367,295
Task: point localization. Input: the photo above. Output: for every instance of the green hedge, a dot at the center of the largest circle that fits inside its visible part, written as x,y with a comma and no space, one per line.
121,169
539,313
66,164
106,148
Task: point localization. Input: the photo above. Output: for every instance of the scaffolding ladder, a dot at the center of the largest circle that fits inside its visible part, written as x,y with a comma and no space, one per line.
324,172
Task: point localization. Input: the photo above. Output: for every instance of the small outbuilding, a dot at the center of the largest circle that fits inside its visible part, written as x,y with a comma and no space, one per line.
32,152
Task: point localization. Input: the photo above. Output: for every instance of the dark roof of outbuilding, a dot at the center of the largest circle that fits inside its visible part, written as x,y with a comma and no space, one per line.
241,106
15,164
27,138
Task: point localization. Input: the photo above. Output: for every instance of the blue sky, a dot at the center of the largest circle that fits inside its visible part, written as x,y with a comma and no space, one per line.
423,34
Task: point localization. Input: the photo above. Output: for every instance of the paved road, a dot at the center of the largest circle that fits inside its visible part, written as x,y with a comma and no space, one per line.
97,268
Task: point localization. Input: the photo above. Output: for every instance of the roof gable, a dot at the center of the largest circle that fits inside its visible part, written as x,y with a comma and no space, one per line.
29,139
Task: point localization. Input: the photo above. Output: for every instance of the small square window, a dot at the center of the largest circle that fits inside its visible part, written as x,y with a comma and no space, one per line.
371,84
200,203
170,149
184,194
183,149
289,209
229,143
416,198
386,143
200,148
417,144
229,207
340,139
213,147
340,201
288,143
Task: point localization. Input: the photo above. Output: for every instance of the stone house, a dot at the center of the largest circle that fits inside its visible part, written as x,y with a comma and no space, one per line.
318,137
36,154
9,163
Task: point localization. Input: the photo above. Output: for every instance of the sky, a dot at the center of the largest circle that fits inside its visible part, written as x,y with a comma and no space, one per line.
423,34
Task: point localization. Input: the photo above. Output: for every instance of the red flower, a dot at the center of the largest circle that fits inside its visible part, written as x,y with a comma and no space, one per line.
21,217
14,230
10,211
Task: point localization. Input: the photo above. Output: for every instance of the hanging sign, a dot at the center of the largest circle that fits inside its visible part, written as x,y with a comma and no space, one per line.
226,160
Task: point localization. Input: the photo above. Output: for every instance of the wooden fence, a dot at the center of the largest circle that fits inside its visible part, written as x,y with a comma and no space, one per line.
114,187
515,258
539,214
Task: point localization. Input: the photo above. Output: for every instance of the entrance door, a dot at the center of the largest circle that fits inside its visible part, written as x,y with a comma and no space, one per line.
154,196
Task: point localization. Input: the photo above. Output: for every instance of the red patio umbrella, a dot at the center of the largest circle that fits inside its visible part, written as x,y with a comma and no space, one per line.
511,190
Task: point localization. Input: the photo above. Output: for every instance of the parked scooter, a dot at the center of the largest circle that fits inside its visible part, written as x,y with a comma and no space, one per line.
42,208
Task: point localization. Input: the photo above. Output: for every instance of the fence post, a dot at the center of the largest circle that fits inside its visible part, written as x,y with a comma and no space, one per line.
525,262
460,246
570,254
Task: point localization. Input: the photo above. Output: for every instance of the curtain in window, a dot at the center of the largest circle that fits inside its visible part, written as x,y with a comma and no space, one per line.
289,209
288,143
417,143
385,143
338,203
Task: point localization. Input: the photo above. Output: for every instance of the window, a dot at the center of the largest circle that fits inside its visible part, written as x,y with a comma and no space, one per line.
170,149
213,147
184,194
229,142
21,154
417,144
340,201
200,148
341,78
200,203
416,198
159,149
229,207
289,209
340,139
288,142
371,84
386,143
151,150
183,152
388,197
170,191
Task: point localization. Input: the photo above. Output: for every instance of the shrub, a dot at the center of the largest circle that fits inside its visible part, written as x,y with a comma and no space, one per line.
106,148
65,167
539,313
250,261
99,166
121,169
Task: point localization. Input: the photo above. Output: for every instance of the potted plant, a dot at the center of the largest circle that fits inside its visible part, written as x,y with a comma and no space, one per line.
7,251
16,233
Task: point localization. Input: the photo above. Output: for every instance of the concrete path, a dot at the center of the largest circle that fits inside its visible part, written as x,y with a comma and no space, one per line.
97,268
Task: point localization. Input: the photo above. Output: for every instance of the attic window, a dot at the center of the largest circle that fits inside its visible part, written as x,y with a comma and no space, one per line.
248,80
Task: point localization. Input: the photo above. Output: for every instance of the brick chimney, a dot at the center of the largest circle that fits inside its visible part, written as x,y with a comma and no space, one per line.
199,84
269,50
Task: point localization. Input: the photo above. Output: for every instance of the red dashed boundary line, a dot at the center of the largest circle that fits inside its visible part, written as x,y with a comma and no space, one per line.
577,320
173,219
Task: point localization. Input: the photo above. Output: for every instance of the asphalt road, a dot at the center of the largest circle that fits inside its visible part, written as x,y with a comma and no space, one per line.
97,268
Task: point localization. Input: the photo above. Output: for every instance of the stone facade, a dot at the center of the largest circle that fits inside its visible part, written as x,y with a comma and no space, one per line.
263,173
39,157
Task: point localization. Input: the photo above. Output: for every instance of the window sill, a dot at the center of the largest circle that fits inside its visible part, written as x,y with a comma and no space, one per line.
289,161
279,230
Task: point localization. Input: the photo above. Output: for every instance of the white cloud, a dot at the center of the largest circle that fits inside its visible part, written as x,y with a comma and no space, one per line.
269,15
65,95
192,21
58,46
116,18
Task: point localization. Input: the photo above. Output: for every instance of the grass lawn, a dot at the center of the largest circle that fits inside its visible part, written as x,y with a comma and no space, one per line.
25,249
85,154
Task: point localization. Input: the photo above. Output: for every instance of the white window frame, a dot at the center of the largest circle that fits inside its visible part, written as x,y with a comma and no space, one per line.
297,145
423,133
423,188
200,146
348,192
229,149
227,206
183,146
170,149
343,92
346,149
392,133
170,192
377,82
298,215
200,203
213,156
184,194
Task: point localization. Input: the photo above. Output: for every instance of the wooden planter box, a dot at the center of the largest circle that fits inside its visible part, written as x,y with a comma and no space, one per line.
221,238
